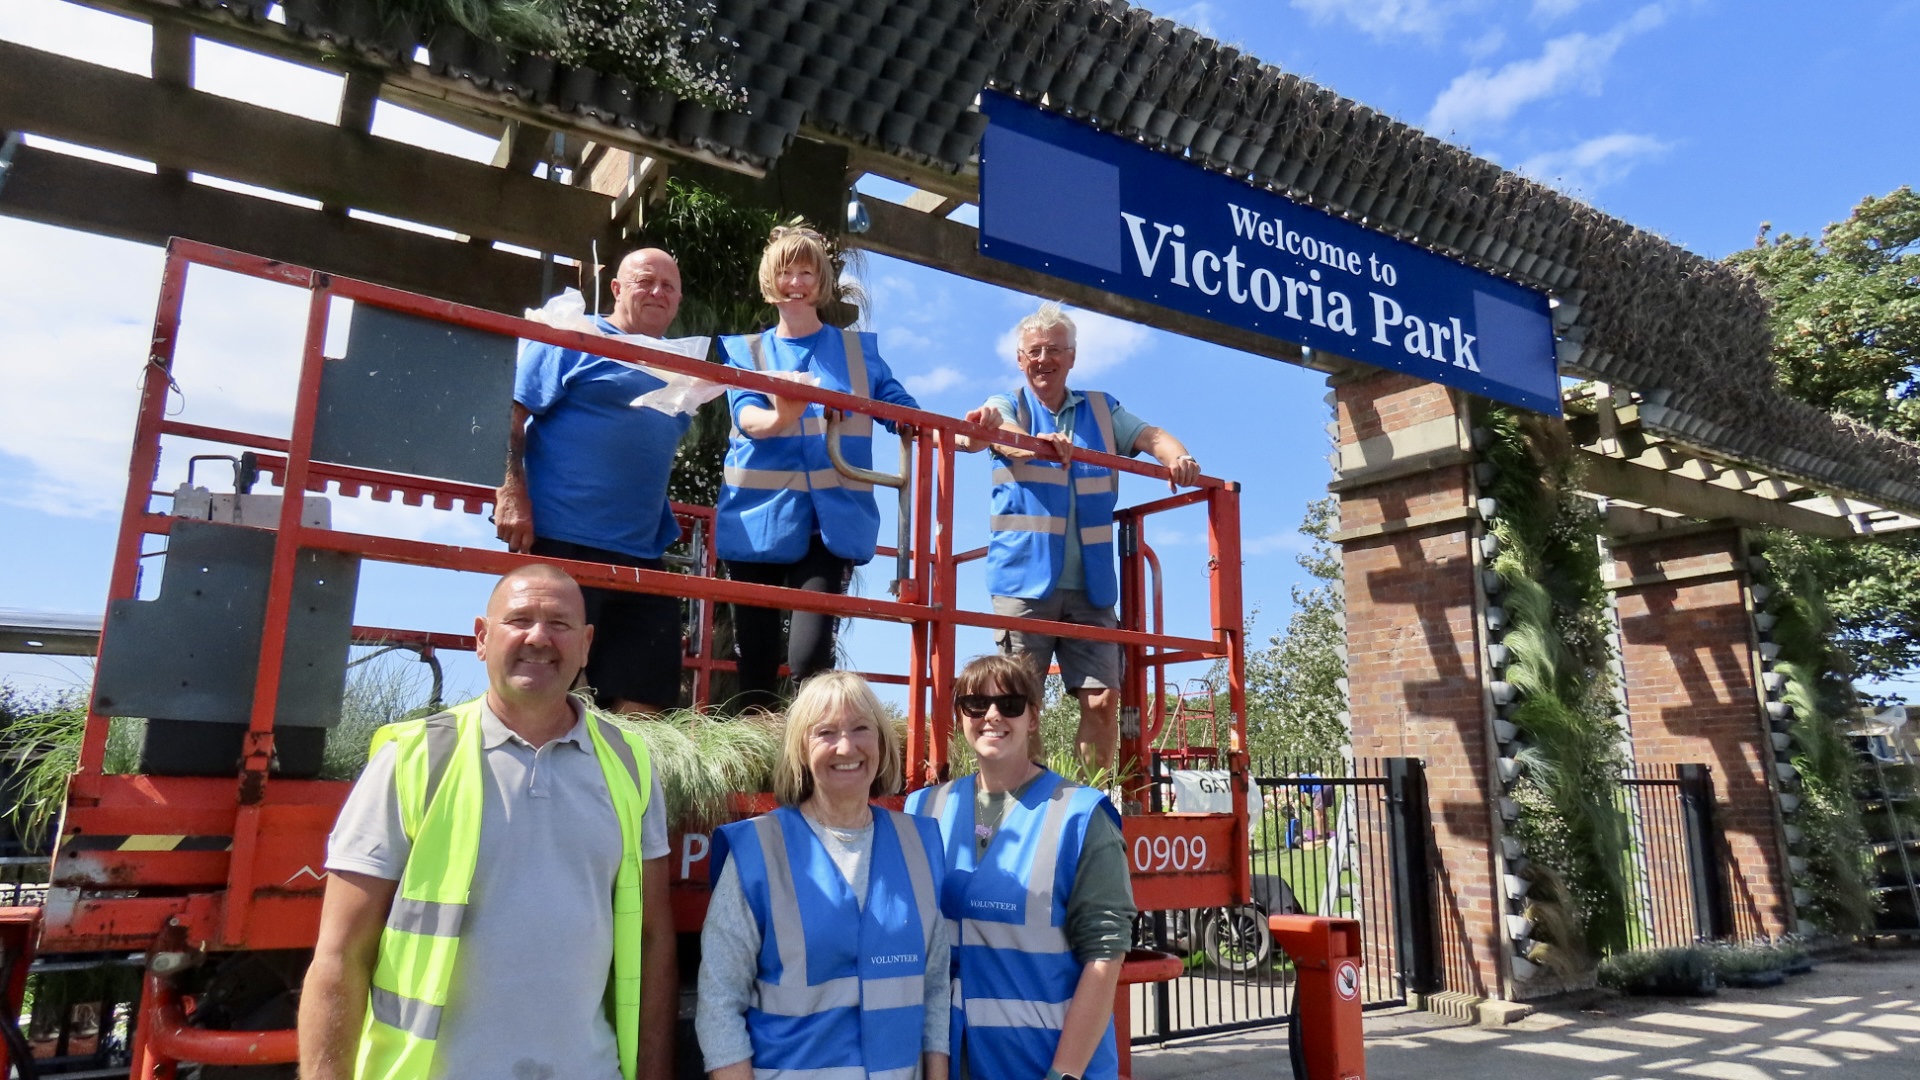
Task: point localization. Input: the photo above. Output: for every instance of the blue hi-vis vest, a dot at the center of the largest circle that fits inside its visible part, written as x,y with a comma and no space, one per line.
1030,499
841,989
780,490
1014,972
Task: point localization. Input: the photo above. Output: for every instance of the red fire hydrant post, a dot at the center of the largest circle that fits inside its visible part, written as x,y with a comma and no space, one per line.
1326,988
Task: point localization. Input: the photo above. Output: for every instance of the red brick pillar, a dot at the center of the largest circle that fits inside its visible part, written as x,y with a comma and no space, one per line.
1414,643
1689,650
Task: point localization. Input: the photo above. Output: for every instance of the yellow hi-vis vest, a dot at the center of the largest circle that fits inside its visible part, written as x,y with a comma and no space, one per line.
439,777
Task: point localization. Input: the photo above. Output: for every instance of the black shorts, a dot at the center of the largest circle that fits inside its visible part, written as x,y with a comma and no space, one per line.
637,637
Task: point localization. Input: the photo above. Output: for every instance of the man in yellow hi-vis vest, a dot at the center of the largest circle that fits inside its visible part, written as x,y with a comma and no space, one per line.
488,878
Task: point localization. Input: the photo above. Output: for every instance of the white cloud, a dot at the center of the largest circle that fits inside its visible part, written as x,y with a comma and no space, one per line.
1199,16
1486,44
1595,163
928,383
1548,10
1483,98
1382,18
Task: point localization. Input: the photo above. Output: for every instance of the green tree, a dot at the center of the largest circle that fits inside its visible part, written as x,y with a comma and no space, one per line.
1846,338
1293,693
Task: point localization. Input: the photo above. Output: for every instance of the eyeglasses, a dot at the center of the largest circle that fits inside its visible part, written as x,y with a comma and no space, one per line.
974,706
1041,352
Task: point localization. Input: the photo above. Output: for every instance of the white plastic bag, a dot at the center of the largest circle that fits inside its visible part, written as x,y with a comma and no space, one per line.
683,394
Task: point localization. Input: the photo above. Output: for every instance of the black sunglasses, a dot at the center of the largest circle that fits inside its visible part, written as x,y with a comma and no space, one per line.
974,706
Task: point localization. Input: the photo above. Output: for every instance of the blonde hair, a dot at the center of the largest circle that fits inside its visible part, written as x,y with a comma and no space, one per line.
797,245
1050,315
820,699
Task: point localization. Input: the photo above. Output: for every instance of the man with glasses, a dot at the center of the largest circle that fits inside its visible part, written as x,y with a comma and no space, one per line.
1051,553
587,479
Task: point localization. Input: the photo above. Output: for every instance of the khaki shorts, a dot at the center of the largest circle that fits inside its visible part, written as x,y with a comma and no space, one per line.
1084,665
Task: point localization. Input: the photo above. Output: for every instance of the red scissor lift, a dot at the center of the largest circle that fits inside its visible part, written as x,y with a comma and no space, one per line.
244,870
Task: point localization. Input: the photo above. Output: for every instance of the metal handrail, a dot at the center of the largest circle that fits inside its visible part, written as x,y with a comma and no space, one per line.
901,483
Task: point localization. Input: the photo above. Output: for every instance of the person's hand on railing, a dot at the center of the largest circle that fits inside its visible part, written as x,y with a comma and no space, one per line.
760,423
513,516
1183,470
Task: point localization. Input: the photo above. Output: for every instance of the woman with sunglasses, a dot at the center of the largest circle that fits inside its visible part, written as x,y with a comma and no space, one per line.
1036,881
823,947
786,516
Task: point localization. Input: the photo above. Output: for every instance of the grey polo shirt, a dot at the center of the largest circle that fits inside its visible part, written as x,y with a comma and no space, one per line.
536,948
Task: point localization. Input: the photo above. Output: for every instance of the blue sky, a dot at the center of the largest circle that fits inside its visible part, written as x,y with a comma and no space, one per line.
1694,119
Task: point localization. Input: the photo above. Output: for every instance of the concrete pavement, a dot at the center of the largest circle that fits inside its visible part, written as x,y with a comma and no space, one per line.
1853,1019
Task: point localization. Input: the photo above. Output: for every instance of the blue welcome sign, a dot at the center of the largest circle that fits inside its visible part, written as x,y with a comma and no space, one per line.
1060,197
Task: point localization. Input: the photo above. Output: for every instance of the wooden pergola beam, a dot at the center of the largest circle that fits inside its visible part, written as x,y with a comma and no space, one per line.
57,189
181,128
1673,491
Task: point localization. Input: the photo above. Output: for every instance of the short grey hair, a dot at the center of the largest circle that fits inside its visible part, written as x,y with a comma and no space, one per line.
1050,315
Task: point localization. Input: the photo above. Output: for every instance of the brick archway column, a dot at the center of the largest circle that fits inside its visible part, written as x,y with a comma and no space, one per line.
1417,680
1690,653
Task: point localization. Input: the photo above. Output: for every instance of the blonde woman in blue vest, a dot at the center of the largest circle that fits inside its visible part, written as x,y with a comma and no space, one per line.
1037,884
488,877
786,516
824,953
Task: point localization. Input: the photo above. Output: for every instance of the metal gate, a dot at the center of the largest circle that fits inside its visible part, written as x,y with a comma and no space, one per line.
1673,860
1332,838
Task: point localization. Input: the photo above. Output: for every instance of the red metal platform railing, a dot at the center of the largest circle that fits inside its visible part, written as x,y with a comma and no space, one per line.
260,889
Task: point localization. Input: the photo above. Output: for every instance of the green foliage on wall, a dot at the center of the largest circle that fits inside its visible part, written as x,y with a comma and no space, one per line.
1549,563
1821,694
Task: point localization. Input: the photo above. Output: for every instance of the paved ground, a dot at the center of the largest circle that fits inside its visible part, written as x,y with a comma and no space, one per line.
1854,1019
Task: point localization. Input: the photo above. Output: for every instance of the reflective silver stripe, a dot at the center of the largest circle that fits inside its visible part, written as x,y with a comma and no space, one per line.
784,901
1039,523
803,1000
1096,534
789,479
765,479
813,425
904,1072
937,801
839,1072
959,997
753,349
899,992
1034,940
442,735
616,738
416,1018
1021,472
1103,419
857,383
425,917
918,872
1016,1013
1046,857
822,479
1094,485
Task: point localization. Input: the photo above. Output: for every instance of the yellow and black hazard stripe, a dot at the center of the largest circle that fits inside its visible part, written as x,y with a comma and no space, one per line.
145,842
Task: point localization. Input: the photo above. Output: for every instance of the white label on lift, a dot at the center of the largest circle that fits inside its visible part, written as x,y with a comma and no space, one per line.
1346,980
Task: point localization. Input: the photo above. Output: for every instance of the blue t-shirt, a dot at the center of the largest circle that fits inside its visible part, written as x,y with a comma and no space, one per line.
597,466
